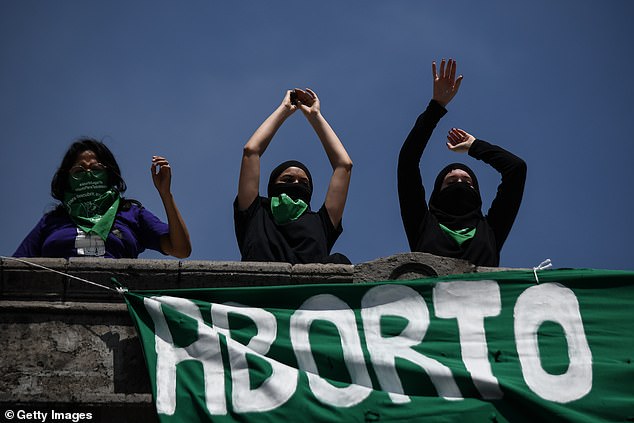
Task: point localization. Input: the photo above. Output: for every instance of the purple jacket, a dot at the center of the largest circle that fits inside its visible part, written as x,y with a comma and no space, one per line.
55,235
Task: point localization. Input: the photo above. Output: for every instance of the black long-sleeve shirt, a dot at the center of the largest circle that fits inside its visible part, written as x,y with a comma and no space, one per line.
423,231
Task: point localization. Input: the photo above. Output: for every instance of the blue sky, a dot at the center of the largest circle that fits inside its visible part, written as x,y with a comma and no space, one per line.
550,81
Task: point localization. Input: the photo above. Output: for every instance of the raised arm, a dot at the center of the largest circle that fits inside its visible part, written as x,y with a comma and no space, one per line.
249,182
411,192
176,243
508,198
339,160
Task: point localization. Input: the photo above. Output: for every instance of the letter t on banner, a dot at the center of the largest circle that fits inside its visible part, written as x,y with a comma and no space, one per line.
469,303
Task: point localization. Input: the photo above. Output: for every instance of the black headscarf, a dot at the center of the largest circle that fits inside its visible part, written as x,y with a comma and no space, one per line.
293,190
458,206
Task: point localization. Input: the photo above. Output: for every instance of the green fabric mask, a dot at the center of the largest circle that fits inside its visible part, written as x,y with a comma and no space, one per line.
91,203
285,209
461,235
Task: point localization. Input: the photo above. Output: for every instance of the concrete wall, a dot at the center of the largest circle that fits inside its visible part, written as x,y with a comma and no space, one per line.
72,347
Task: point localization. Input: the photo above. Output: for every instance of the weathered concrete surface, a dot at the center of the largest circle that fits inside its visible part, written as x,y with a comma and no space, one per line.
63,355
71,346
410,266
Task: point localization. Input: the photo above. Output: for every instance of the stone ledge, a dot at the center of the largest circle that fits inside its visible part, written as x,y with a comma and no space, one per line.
20,280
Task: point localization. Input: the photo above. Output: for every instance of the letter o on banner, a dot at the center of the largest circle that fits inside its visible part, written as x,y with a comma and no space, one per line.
556,303
331,309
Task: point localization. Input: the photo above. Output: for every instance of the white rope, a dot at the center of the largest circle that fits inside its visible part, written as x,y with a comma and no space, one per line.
119,290
541,266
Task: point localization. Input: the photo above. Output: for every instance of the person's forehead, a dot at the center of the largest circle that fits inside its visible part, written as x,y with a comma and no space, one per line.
458,172
294,171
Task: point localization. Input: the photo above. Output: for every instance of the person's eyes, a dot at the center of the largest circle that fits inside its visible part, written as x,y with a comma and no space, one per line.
79,169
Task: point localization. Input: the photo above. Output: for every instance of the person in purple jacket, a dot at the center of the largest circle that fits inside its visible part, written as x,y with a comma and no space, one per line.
94,220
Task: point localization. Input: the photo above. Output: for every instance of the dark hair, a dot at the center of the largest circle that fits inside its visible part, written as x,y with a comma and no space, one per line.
59,184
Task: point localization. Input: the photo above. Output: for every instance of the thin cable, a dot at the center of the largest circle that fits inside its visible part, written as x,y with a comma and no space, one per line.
119,290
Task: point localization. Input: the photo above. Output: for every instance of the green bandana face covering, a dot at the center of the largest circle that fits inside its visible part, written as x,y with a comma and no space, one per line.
91,203
460,236
285,210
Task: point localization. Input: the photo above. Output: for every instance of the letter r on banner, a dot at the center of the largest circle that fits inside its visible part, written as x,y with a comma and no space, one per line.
404,302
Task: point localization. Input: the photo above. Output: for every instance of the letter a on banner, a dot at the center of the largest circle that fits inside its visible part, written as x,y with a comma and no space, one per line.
205,350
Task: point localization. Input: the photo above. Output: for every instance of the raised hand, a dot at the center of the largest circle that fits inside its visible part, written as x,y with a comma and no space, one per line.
308,101
459,140
161,175
446,84
288,104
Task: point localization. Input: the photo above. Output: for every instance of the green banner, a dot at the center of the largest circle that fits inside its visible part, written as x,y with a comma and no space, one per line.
491,347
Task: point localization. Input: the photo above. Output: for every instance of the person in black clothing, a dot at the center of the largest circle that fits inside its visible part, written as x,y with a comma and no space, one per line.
282,227
453,224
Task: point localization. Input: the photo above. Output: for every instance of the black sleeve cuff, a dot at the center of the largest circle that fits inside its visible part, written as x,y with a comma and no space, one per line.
478,147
